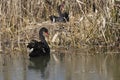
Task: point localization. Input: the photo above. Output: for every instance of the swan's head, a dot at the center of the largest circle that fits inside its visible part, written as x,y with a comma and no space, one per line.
43,29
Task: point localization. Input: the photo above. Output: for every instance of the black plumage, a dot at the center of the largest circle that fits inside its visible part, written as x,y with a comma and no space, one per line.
39,48
63,17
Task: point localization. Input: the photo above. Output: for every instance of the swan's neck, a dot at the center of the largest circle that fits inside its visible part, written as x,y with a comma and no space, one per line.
59,11
42,38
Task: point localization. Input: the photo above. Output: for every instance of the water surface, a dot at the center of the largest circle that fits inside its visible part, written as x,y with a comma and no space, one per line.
60,65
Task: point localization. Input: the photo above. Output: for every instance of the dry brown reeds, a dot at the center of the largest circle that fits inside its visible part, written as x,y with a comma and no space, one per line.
91,22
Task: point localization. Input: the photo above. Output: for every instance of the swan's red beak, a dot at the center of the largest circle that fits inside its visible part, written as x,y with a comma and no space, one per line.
47,33
62,6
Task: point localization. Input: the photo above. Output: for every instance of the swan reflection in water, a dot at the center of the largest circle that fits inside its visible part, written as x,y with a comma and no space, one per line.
39,64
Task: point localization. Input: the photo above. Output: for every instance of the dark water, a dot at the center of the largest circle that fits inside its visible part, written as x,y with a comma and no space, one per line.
60,66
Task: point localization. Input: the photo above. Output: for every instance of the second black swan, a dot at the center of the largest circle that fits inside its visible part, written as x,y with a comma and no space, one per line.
39,48
63,17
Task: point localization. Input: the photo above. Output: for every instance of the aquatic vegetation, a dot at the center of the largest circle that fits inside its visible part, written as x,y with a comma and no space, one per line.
91,23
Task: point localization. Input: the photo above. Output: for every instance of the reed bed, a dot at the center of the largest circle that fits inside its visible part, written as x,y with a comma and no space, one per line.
91,23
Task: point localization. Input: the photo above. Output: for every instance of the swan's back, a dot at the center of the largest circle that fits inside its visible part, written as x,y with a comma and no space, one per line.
39,48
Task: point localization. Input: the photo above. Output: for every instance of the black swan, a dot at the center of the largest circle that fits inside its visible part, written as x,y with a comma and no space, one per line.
39,48
63,17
